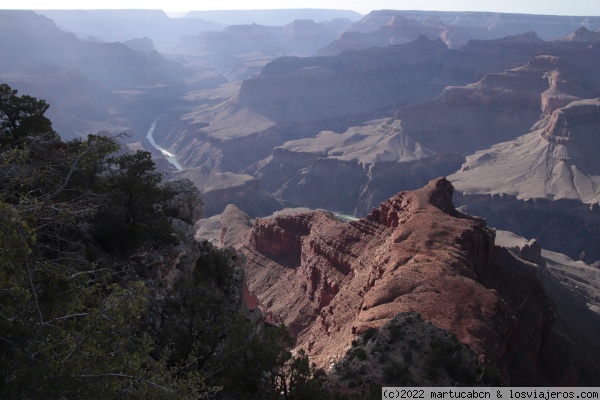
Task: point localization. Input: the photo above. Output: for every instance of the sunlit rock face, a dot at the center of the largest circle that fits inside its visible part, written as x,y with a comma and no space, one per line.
219,189
330,281
542,184
371,162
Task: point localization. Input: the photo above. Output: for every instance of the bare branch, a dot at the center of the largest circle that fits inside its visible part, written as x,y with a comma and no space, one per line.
66,317
124,376
30,275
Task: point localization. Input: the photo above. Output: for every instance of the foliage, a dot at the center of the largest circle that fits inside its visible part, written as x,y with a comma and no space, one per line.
132,214
77,320
396,374
68,327
21,117
300,380
447,354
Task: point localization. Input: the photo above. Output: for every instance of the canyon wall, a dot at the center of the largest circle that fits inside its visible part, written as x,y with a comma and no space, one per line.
330,281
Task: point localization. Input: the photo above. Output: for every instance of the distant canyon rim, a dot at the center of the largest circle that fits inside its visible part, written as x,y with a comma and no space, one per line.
432,173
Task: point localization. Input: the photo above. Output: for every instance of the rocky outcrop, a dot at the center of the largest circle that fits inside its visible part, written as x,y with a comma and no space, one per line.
371,162
582,34
384,27
164,264
542,183
569,121
544,220
324,88
582,279
330,280
218,189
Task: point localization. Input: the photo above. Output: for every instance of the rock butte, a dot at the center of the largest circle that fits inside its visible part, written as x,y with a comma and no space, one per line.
330,281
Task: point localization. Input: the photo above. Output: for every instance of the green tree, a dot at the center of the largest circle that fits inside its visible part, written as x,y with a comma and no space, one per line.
21,117
135,210
68,327
77,320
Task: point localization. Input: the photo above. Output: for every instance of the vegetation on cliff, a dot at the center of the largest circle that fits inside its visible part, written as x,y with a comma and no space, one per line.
79,319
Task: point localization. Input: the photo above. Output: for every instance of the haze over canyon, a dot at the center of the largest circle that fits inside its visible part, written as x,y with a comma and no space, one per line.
393,183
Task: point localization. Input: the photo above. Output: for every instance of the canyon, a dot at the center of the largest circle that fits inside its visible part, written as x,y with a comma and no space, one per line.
317,141
330,281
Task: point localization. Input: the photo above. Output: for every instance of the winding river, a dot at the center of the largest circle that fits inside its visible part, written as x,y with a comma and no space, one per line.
169,156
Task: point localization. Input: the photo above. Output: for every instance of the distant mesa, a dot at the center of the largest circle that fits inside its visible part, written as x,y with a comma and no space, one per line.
145,44
581,35
278,17
551,172
390,27
556,162
123,25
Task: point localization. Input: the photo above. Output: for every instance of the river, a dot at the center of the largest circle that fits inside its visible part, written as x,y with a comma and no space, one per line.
169,156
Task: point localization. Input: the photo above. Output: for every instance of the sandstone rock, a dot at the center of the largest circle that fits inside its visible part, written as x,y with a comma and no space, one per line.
163,265
186,201
218,189
384,27
330,281
233,223
582,34
552,172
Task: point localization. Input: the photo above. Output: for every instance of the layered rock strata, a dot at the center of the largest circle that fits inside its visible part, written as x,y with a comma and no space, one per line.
371,162
542,183
218,189
330,280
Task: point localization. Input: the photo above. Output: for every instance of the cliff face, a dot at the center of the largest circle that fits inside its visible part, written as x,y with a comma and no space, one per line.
542,183
291,89
371,162
384,27
499,107
219,189
164,264
330,280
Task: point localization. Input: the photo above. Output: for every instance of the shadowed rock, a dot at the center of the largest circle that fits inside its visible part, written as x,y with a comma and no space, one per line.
330,281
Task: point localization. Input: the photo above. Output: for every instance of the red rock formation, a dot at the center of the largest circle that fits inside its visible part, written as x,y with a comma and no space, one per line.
339,278
330,280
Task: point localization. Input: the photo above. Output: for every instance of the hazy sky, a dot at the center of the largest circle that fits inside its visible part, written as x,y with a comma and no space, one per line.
559,7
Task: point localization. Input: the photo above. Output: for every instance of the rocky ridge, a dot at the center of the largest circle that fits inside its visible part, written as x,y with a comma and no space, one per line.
294,98
580,278
163,265
384,27
329,281
581,35
218,189
424,140
551,172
